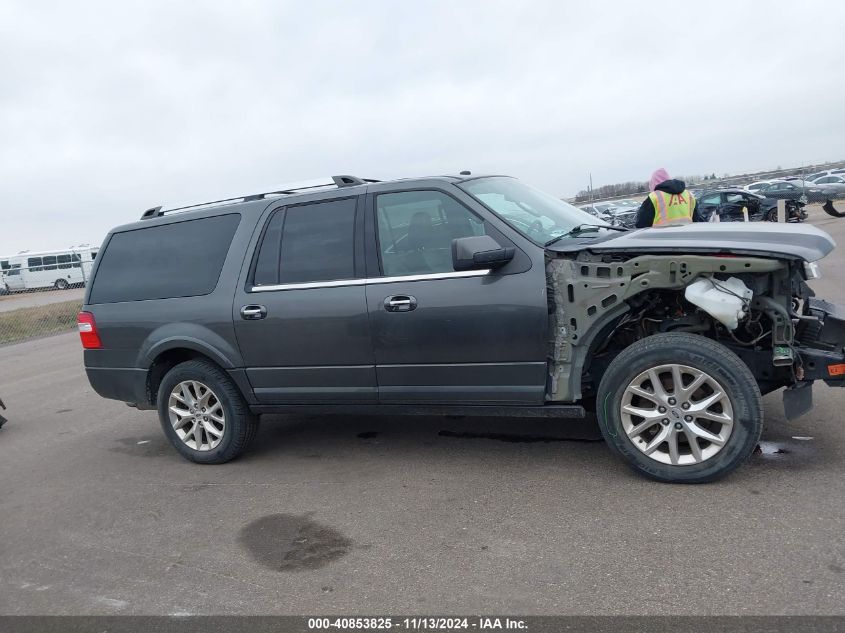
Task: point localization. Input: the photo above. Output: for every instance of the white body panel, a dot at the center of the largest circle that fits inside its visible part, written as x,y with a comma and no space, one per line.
48,269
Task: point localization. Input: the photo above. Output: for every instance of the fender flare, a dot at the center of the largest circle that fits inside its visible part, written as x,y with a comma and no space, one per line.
148,355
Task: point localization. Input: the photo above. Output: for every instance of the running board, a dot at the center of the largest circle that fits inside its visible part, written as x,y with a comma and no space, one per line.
568,411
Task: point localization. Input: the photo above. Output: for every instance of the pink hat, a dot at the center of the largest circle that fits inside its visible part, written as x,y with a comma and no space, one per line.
659,175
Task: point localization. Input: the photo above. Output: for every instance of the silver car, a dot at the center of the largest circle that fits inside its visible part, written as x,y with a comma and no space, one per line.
833,183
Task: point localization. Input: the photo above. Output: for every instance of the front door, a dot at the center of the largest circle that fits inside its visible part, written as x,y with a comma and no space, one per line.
301,318
709,204
446,336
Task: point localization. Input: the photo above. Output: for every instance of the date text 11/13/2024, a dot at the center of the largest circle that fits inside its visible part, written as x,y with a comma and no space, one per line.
417,623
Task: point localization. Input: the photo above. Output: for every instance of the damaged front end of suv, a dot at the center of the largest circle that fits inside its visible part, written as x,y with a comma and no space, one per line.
743,288
675,334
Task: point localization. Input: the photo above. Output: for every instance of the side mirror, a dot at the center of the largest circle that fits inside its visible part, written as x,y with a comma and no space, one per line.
479,252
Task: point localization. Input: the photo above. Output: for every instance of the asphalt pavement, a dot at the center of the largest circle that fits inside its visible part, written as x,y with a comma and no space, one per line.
371,515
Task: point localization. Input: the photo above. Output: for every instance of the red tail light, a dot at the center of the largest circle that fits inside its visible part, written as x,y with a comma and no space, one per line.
88,331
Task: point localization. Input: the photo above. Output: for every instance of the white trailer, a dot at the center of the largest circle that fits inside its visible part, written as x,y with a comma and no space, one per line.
48,269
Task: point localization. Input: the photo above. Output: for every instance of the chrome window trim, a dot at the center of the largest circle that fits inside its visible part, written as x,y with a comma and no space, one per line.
371,281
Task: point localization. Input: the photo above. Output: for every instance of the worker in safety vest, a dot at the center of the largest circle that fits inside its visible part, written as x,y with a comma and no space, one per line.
668,204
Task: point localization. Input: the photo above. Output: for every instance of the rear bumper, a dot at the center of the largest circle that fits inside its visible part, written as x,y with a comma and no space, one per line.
128,385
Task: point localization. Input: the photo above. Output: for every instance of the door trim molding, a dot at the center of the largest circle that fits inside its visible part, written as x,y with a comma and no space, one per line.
371,281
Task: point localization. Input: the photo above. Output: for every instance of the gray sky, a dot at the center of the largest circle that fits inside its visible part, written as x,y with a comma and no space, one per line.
108,108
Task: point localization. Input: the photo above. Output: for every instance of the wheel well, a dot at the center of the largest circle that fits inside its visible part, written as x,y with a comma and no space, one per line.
166,361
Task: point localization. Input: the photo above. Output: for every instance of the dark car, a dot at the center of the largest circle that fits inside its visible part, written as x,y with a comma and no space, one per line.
800,190
728,203
458,295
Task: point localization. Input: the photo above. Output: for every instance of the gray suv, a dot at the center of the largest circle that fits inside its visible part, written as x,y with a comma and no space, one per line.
465,295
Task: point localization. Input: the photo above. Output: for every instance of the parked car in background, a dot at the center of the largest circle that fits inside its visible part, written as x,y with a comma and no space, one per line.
832,183
756,186
728,203
628,203
625,216
827,172
600,210
801,182
616,213
788,190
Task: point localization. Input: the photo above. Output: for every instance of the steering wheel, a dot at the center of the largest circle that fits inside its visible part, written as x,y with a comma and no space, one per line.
536,228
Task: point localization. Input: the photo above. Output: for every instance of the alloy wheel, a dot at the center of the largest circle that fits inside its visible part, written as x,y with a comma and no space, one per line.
677,415
197,415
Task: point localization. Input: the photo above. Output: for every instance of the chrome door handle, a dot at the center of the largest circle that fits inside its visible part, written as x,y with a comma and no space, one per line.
253,313
400,303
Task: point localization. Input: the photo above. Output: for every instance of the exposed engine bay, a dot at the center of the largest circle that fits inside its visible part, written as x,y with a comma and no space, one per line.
760,308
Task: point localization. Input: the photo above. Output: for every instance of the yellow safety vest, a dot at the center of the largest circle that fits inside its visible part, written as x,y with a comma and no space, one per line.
672,209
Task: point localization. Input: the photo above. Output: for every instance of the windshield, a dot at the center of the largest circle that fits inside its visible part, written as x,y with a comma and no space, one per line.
537,215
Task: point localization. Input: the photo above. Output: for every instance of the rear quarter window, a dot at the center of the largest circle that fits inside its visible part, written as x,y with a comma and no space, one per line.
183,259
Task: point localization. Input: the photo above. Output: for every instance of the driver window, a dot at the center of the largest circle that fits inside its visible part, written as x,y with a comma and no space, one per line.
416,229
735,197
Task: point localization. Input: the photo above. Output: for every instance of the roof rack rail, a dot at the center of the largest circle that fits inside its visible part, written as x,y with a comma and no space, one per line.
336,181
150,213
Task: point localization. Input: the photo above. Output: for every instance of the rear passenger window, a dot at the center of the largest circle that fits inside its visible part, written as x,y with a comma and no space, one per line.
183,259
308,243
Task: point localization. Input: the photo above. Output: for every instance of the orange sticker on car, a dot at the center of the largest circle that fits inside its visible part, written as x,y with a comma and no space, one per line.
836,370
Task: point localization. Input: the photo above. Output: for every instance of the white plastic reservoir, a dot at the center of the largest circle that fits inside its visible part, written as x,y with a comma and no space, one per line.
724,300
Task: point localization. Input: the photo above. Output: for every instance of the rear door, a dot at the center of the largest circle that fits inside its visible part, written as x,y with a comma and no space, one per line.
446,336
301,317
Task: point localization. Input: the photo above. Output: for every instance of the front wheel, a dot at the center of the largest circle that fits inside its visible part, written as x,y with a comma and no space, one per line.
61,284
203,414
680,408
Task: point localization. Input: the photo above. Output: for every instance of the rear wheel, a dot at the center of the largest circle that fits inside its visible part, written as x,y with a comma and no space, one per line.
61,284
680,408
203,414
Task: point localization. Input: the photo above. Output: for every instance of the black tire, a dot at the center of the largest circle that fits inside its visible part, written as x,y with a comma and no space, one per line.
241,424
61,284
772,215
701,354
